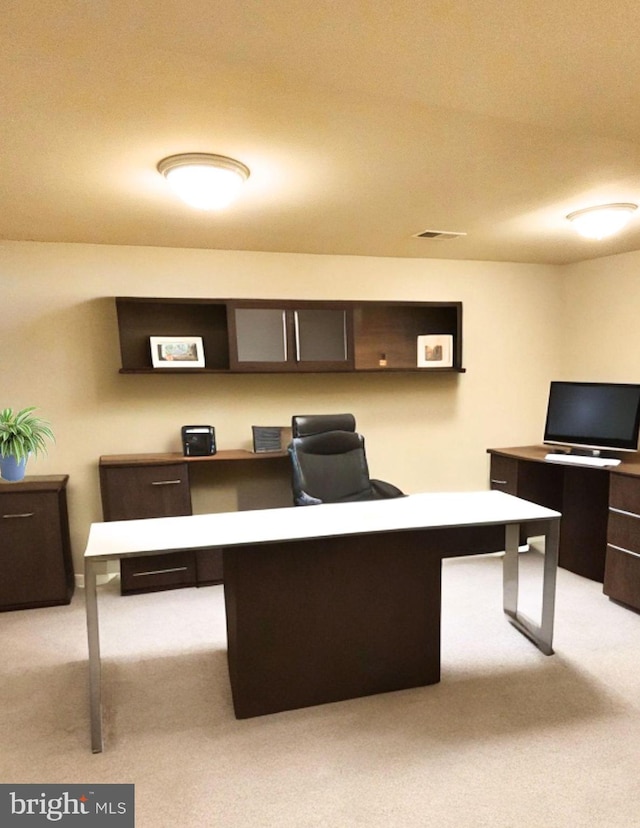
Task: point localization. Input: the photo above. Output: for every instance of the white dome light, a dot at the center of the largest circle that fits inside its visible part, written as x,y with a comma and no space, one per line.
602,221
204,181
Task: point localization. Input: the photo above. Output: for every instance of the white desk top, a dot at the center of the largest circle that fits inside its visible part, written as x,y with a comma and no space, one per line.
124,538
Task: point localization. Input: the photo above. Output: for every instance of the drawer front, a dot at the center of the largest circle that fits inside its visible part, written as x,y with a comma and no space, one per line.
624,493
622,576
504,474
155,572
133,492
624,530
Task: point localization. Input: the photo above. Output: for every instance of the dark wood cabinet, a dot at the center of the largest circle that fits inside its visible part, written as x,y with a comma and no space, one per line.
131,492
136,486
37,570
622,570
275,337
260,336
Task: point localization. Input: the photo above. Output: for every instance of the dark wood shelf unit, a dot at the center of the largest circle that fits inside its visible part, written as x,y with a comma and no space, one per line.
367,336
139,318
388,330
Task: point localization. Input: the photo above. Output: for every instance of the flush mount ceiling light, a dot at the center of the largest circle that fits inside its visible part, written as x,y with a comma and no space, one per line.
202,180
601,221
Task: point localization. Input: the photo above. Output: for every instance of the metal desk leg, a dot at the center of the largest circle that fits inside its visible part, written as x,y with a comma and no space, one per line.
541,634
93,634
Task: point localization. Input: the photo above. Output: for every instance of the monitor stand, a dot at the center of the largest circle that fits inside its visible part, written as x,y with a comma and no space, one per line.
585,452
574,451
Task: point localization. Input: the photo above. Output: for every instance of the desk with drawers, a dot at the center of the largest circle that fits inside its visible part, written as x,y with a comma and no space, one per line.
600,534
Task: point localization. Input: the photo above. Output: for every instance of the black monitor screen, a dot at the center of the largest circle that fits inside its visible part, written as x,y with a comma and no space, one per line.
594,415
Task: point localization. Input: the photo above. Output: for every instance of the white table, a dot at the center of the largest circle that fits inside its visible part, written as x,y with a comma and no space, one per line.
354,562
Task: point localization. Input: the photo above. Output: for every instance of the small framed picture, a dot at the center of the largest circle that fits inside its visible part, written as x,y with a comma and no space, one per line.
435,351
177,351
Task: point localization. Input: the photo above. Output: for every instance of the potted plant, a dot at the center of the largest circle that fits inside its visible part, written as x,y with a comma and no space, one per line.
21,434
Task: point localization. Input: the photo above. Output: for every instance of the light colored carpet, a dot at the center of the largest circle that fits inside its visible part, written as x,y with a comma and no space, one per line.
508,738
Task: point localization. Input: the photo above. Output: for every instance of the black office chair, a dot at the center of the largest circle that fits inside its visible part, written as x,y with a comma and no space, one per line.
329,464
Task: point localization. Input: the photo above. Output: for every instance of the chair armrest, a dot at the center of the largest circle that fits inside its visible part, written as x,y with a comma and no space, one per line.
384,489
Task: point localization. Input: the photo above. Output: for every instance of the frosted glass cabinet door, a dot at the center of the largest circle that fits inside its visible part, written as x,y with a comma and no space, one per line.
261,334
321,335
291,339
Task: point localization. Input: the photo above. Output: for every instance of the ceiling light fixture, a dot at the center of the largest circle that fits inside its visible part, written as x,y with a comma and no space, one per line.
601,221
204,181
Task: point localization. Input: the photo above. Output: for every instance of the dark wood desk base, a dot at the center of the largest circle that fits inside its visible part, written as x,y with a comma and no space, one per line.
342,617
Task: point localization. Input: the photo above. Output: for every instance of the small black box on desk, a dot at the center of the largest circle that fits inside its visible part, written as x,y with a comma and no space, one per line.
198,440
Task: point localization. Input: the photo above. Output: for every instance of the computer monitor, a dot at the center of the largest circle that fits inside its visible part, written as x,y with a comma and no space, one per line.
593,415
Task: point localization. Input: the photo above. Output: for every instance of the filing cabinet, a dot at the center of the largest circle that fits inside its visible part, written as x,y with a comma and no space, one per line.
132,489
35,552
622,567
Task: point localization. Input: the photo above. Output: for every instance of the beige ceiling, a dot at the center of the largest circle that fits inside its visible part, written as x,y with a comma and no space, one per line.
363,123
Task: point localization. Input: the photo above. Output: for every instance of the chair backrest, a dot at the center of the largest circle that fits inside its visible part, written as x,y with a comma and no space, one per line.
329,463
303,425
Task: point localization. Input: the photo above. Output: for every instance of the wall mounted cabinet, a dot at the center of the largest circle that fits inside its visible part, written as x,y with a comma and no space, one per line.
285,336
301,338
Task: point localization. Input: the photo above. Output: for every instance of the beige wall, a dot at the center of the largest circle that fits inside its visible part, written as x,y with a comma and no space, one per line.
602,322
60,352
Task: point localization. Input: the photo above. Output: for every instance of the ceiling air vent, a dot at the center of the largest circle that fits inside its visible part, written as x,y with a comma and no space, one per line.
438,234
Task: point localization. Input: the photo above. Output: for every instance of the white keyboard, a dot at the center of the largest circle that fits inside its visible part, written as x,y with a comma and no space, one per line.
578,460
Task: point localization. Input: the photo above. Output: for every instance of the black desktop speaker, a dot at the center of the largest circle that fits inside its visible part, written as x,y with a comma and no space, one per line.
198,440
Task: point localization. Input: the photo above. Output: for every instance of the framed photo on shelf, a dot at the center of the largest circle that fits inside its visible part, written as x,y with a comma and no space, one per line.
177,351
435,351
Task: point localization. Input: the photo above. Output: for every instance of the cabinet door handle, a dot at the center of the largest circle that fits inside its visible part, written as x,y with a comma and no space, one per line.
166,482
623,512
296,324
622,549
499,482
22,515
160,571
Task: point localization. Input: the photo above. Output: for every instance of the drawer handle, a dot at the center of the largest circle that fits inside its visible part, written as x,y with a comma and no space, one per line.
166,482
499,482
623,512
160,571
23,515
622,549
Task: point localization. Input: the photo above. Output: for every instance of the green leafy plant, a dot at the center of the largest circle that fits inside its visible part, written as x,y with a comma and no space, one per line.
22,433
